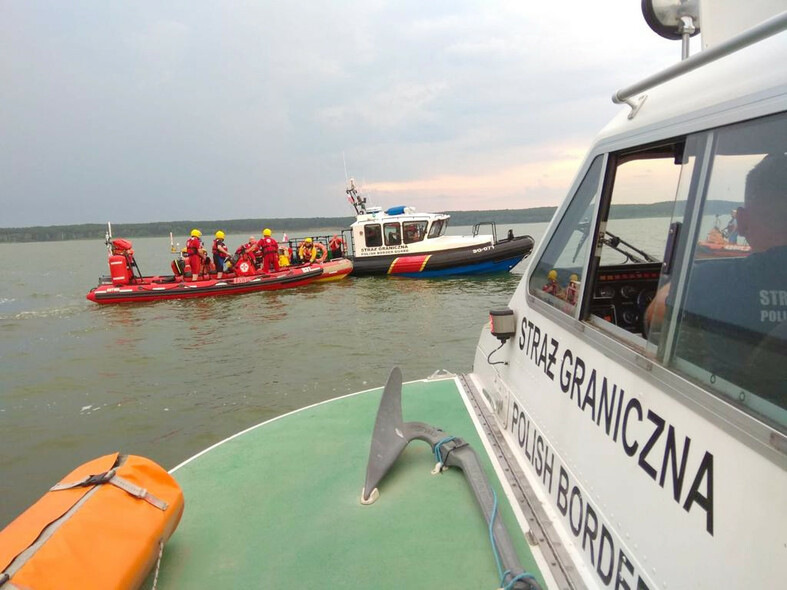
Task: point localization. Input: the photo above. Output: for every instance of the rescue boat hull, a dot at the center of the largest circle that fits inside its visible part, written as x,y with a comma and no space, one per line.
162,288
334,270
722,250
489,258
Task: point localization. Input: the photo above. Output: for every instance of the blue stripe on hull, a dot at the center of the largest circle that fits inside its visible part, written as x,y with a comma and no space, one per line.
467,269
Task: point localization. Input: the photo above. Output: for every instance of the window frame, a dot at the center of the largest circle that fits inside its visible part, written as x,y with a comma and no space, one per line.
440,224
555,227
739,395
386,234
752,429
366,235
421,226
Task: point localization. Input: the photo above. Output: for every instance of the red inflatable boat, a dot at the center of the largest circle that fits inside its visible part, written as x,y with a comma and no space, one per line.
124,285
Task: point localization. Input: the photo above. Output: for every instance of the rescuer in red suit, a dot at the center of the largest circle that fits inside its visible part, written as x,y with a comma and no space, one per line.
270,251
196,252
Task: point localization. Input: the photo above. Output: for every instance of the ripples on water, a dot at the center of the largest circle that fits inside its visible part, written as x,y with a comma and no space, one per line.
167,379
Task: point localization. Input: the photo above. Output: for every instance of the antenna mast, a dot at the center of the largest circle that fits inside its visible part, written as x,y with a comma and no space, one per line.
357,201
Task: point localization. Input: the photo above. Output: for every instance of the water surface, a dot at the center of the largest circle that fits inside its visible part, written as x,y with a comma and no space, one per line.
167,379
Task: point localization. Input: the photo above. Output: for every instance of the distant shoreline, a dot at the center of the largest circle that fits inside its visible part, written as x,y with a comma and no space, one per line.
182,228
56,233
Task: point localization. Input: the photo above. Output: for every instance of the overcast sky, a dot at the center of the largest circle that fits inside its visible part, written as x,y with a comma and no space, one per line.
162,110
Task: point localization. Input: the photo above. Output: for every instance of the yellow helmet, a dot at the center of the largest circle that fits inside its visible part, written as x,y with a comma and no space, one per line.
552,275
195,233
266,232
220,235
573,277
308,240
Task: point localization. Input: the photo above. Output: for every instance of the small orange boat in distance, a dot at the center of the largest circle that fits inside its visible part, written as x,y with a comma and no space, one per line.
717,245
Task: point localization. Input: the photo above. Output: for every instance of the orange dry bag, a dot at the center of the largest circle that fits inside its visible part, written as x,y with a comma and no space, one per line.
101,527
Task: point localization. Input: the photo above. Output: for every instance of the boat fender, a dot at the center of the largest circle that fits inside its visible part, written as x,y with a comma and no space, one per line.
102,526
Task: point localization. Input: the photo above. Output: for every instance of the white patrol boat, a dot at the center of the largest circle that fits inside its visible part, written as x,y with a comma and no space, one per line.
624,427
401,242
649,437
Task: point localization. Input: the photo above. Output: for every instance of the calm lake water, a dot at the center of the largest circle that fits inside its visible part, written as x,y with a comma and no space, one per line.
165,380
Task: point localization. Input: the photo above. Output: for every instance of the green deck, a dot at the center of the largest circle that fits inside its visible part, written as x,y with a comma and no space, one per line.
278,507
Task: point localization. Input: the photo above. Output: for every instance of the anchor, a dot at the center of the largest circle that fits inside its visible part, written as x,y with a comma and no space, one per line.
390,437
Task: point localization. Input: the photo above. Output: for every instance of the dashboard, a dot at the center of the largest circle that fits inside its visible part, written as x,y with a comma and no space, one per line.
622,293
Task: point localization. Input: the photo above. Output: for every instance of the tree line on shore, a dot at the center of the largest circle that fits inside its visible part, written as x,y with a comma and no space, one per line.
87,231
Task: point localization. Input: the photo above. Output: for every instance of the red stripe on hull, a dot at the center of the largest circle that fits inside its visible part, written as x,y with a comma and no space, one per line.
408,264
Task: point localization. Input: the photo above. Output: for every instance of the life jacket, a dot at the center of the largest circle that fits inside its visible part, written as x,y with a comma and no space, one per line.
193,246
216,243
269,246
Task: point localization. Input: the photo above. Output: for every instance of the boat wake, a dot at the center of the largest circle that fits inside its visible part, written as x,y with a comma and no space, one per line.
56,312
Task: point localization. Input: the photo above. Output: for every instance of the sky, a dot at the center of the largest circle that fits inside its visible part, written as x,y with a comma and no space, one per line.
152,110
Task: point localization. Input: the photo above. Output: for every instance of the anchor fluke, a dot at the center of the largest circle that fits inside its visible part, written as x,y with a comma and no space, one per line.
388,439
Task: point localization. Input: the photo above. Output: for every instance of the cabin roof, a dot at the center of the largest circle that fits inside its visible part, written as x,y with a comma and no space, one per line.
705,97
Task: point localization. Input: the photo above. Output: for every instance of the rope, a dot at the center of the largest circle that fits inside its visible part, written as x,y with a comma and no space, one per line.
503,574
522,576
438,455
158,564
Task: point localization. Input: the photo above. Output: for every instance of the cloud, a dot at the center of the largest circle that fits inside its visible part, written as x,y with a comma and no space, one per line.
537,178
155,111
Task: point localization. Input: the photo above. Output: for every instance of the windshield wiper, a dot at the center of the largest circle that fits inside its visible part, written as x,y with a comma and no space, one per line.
615,243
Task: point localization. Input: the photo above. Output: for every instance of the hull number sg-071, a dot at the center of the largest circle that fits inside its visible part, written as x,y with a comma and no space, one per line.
484,249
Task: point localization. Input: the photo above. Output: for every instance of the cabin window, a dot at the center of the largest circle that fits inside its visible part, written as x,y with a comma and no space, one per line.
437,229
726,327
414,231
373,235
393,234
641,192
557,276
